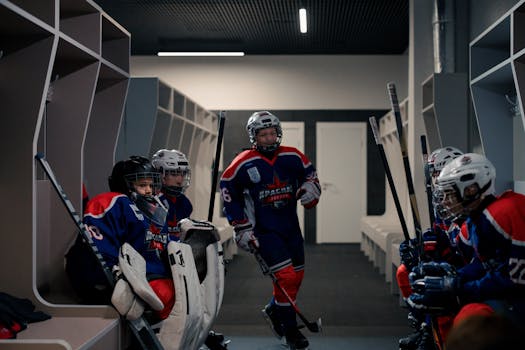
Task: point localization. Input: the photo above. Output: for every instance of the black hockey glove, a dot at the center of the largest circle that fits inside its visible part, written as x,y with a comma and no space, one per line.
408,253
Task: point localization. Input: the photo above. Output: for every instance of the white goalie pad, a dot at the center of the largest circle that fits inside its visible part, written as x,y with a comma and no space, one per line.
180,330
125,301
212,288
133,267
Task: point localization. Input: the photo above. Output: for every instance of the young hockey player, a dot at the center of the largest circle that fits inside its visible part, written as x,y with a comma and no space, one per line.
260,189
438,245
176,176
131,213
493,281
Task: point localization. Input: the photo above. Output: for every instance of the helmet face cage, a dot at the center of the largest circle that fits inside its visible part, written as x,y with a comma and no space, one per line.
263,120
468,177
154,176
175,163
126,172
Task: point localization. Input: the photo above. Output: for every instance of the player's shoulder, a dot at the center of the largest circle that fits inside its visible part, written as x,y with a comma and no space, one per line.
507,201
288,151
104,202
241,159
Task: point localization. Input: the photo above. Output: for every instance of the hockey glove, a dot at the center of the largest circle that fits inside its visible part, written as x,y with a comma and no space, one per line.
245,237
443,285
433,303
408,253
433,269
309,193
436,244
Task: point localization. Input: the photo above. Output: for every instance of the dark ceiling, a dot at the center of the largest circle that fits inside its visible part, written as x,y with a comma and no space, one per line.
263,27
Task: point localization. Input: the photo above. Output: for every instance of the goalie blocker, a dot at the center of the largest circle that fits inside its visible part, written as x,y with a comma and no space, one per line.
197,268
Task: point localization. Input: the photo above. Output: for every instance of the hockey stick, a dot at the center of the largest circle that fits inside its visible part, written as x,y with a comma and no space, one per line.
140,327
428,180
216,162
375,131
314,327
404,152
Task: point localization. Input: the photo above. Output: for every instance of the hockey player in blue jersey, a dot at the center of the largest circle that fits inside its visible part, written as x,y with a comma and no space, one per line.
493,281
131,213
260,189
176,176
438,245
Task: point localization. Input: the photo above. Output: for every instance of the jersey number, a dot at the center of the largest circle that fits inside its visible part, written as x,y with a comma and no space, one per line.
517,270
226,195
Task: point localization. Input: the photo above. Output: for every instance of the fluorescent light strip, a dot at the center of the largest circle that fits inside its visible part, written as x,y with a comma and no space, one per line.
302,20
189,54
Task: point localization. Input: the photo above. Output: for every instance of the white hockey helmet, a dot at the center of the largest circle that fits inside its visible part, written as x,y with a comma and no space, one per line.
263,120
441,157
173,162
464,180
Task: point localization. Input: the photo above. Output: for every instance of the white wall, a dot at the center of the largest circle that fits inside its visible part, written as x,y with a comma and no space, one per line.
292,82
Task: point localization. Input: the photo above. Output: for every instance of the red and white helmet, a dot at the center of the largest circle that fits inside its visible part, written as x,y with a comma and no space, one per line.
457,177
263,120
173,162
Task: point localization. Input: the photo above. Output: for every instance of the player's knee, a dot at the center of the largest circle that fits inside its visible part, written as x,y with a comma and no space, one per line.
287,279
165,290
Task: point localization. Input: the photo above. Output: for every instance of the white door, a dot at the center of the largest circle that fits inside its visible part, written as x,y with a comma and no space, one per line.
293,136
341,166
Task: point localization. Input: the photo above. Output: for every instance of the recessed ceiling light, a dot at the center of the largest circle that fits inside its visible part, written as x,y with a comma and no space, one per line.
302,20
190,54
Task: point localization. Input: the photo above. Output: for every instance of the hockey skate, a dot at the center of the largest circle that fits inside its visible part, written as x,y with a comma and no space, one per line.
215,341
296,340
270,314
410,342
426,340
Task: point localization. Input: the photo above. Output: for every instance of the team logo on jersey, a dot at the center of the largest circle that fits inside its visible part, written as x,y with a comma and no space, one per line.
254,175
277,194
155,239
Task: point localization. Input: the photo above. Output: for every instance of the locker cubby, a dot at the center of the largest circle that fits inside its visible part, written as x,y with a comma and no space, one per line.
116,43
18,32
497,86
56,92
44,10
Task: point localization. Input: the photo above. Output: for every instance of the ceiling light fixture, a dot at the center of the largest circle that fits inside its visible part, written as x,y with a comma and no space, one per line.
202,54
302,20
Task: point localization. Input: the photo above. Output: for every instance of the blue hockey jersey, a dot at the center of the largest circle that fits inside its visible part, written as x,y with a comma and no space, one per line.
497,236
263,190
179,207
112,219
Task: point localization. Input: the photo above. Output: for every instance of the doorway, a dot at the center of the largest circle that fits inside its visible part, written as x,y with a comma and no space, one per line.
341,166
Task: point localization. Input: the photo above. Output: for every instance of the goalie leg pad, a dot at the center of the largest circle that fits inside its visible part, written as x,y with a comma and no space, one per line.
185,319
211,289
133,266
125,301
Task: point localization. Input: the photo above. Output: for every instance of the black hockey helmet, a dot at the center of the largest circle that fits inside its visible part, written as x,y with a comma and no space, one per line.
126,172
